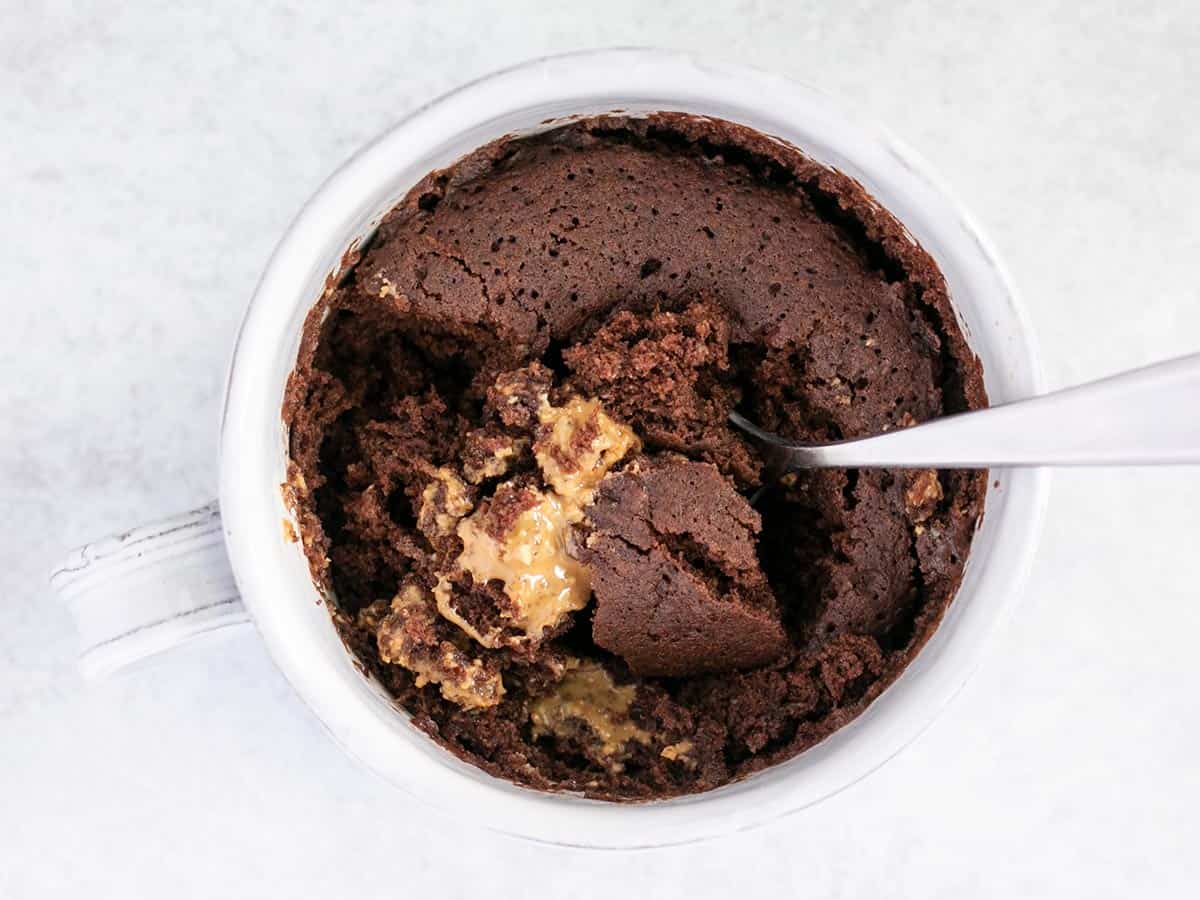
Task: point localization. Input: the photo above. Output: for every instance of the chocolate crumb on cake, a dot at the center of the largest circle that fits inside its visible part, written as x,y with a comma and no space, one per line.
514,475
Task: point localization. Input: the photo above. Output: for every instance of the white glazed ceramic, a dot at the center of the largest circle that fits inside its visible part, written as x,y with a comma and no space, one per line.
181,569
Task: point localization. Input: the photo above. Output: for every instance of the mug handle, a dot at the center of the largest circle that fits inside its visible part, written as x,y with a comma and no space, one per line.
147,590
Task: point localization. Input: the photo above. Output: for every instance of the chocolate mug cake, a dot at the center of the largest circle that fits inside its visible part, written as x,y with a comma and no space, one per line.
514,475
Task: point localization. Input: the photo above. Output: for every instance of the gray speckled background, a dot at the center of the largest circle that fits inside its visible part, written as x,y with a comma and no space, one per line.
150,158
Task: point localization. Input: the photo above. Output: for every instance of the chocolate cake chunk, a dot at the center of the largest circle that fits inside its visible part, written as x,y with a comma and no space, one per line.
515,479
675,575
669,375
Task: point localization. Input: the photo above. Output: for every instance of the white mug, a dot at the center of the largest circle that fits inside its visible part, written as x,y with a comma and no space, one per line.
149,589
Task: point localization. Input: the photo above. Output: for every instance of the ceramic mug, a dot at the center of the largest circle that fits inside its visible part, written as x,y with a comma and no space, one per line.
150,589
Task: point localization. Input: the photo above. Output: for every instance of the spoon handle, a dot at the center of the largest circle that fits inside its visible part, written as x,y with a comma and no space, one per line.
1148,416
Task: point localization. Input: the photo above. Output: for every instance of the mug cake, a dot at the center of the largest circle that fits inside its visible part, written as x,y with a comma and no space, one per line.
516,482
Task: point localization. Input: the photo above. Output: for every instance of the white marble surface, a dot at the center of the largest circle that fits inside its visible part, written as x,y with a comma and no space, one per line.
150,158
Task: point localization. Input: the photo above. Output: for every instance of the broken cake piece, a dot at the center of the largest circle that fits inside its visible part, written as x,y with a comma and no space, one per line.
669,375
670,546
409,636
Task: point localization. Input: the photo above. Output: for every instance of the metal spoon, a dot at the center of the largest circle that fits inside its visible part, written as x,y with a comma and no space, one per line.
1148,416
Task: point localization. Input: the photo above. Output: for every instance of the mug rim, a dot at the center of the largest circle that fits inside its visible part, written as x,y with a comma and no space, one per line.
536,815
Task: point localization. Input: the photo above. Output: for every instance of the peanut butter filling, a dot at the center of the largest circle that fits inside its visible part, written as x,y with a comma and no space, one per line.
678,752
578,446
588,694
406,638
540,577
496,464
444,501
